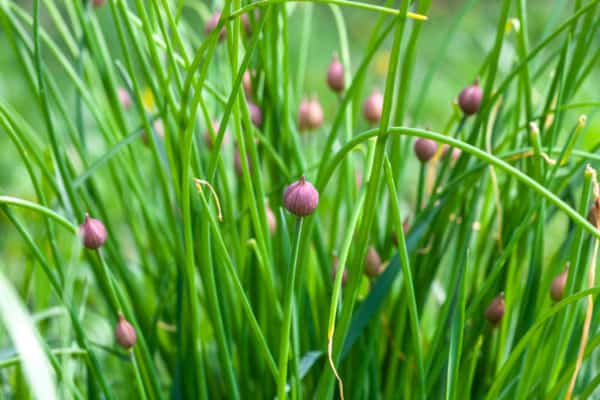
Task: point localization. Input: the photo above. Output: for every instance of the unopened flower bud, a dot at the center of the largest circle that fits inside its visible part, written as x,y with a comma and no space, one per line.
310,115
372,263
255,114
469,99
124,97
212,23
557,289
93,233
247,83
455,152
495,310
425,149
125,333
301,198
373,107
335,75
334,269
208,140
271,220
237,163
159,130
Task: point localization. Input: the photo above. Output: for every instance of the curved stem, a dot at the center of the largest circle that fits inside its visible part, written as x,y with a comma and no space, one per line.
475,151
14,201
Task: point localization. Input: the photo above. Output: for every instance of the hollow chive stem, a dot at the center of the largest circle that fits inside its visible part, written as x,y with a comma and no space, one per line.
420,188
284,343
106,276
138,377
408,280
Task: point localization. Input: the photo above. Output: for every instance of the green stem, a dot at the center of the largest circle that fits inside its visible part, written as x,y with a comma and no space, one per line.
288,294
408,279
420,188
138,377
38,208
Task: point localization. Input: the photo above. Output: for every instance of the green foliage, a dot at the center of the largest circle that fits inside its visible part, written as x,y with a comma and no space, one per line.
232,296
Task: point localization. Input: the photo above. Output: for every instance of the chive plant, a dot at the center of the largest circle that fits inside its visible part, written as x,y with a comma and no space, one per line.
204,273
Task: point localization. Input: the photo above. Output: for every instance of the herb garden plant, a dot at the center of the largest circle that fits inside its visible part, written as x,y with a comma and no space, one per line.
299,199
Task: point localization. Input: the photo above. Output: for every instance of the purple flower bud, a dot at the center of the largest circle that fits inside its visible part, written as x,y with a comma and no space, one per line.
159,130
358,180
495,310
124,98
271,220
208,138
335,75
212,23
303,115
301,198
334,269
125,333
425,149
469,99
237,163
93,233
246,24
316,114
405,229
455,152
98,3
255,114
557,289
373,107
310,115
247,83
372,263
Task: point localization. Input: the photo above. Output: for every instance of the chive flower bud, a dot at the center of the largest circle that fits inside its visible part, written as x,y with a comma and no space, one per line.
456,152
405,229
301,198
98,3
495,310
237,163
124,98
334,269
373,107
159,130
208,140
335,75
425,149
247,82
245,18
557,289
212,23
125,333
469,99
372,263
310,115
93,233
271,220
255,114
